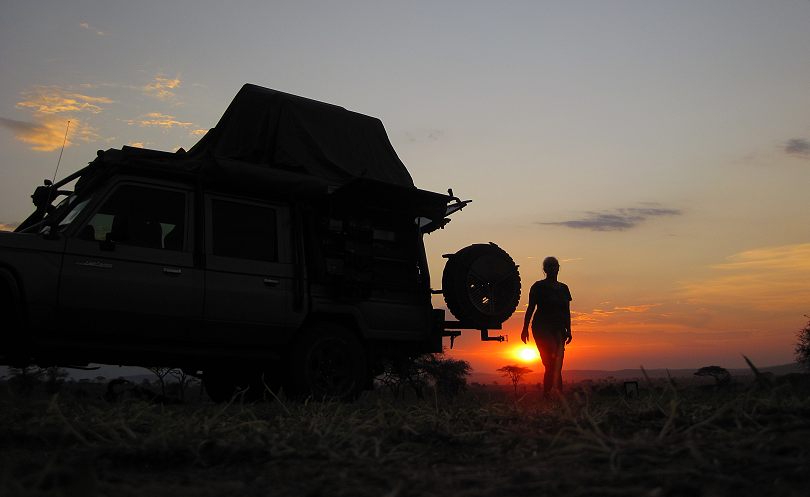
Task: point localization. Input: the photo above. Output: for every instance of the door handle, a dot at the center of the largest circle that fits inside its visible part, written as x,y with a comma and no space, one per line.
98,264
172,270
270,282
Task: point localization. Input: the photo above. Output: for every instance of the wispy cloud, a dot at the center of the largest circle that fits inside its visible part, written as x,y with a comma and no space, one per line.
599,314
616,219
55,100
158,120
636,308
162,87
137,144
799,147
198,132
49,133
87,26
766,279
8,226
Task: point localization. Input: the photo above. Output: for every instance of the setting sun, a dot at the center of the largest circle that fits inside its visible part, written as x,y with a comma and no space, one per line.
526,353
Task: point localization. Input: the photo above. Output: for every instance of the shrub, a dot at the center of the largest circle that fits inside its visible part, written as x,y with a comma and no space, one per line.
447,375
803,346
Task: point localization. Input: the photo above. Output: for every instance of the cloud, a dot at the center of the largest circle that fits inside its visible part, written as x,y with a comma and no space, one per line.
55,100
158,120
8,226
615,220
137,144
766,279
162,87
637,308
798,146
599,315
88,27
198,132
49,132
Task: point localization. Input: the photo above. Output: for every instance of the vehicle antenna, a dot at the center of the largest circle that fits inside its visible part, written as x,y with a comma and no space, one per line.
61,151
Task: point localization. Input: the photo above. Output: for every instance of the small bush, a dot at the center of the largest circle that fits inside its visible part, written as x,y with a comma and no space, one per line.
803,347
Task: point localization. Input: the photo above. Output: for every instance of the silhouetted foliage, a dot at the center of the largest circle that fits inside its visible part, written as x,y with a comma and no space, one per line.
803,347
121,388
23,380
183,380
176,389
514,373
721,375
161,373
447,375
54,378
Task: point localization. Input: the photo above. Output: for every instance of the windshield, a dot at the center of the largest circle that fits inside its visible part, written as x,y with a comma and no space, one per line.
75,207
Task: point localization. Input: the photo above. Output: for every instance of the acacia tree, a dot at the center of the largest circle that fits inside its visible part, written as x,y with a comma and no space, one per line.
161,373
721,375
803,346
514,373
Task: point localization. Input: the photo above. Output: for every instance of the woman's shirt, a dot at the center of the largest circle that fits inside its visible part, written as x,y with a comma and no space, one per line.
553,310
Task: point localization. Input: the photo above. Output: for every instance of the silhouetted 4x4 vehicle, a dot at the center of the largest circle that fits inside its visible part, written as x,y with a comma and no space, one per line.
285,248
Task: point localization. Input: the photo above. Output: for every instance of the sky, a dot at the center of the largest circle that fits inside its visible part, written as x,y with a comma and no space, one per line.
661,150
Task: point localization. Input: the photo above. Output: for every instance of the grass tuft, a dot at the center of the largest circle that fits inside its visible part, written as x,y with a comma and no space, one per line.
672,440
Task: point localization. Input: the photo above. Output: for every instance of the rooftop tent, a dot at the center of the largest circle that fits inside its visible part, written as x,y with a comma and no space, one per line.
276,131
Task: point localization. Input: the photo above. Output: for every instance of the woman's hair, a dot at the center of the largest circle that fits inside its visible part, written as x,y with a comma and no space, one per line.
548,262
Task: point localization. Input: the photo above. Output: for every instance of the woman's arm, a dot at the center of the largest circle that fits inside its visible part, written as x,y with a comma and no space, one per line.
524,336
568,335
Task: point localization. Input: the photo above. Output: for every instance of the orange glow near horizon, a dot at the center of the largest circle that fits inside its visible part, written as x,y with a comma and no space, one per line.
526,353
655,337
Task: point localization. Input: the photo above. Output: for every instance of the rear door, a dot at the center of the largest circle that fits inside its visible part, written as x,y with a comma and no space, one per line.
249,271
128,270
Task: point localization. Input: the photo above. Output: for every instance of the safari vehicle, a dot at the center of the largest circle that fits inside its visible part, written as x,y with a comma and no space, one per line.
284,248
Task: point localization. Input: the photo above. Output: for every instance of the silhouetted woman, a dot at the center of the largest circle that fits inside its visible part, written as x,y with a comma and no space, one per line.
551,326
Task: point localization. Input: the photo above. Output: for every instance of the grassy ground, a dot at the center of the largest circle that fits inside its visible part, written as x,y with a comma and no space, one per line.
672,440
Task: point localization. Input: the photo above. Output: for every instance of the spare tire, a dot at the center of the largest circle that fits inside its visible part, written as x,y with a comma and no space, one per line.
481,285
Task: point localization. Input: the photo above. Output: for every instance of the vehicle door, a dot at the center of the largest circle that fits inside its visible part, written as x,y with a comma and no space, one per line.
249,271
129,268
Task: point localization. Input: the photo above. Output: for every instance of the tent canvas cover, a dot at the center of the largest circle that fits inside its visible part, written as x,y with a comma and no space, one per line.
277,131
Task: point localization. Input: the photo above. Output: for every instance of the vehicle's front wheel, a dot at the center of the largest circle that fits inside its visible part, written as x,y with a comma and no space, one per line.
328,362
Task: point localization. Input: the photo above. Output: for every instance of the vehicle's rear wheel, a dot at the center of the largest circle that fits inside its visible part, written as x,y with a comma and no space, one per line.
481,285
328,362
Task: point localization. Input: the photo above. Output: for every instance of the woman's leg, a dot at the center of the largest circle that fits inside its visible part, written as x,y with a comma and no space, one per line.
558,363
548,355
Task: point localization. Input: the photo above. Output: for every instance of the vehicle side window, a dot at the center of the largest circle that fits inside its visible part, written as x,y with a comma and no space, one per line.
244,231
140,216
